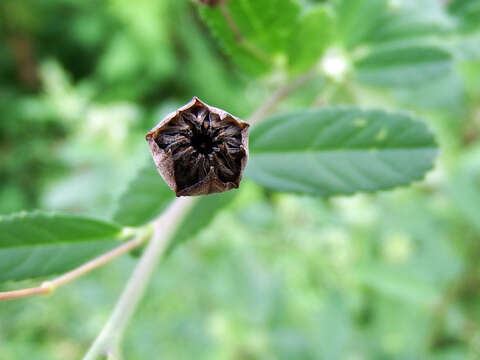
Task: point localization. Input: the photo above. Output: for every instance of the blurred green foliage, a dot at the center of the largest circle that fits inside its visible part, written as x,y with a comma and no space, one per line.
386,276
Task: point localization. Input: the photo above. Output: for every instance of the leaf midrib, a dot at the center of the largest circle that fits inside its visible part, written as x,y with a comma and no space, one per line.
403,65
316,151
113,237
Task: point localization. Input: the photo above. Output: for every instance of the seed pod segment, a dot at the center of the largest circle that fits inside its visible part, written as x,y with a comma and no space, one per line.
200,149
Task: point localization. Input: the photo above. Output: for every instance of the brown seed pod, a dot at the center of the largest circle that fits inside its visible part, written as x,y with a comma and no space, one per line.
210,2
200,149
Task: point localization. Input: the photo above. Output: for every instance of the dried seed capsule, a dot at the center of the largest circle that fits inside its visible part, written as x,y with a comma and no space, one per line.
200,149
210,2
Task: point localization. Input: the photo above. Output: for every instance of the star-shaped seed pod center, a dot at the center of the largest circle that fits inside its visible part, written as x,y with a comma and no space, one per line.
203,149
202,143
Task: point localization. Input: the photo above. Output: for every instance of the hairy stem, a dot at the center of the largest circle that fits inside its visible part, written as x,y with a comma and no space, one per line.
111,335
108,341
281,94
48,287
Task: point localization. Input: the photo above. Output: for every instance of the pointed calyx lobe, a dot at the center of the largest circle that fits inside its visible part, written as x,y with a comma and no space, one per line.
200,149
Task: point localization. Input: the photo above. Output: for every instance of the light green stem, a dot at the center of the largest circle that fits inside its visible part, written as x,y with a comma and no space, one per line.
111,335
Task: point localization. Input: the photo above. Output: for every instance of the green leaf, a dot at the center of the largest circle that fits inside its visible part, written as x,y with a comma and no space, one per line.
412,19
310,39
200,216
145,198
38,228
357,19
254,32
337,151
403,65
28,262
465,48
468,12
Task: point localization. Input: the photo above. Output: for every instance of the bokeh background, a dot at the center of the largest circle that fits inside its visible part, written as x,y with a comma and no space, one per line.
392,275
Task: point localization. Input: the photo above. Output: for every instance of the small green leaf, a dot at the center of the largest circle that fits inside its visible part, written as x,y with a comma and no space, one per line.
468,12
411,20
357,19
310,39
403,65
147,195
446,92
28,262
200,216
38,228
253,32
337,151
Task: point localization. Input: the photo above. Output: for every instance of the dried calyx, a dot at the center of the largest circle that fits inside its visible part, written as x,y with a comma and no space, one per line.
200,149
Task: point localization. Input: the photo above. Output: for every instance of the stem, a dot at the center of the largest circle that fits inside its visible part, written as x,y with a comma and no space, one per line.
48,287
108,341
110,337
8,295
281,94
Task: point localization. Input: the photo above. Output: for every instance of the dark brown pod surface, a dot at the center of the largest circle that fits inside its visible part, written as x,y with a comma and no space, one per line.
211,2
200,149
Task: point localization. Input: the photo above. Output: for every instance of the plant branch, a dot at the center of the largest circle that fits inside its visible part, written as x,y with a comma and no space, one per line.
281,94
48,287
107,342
